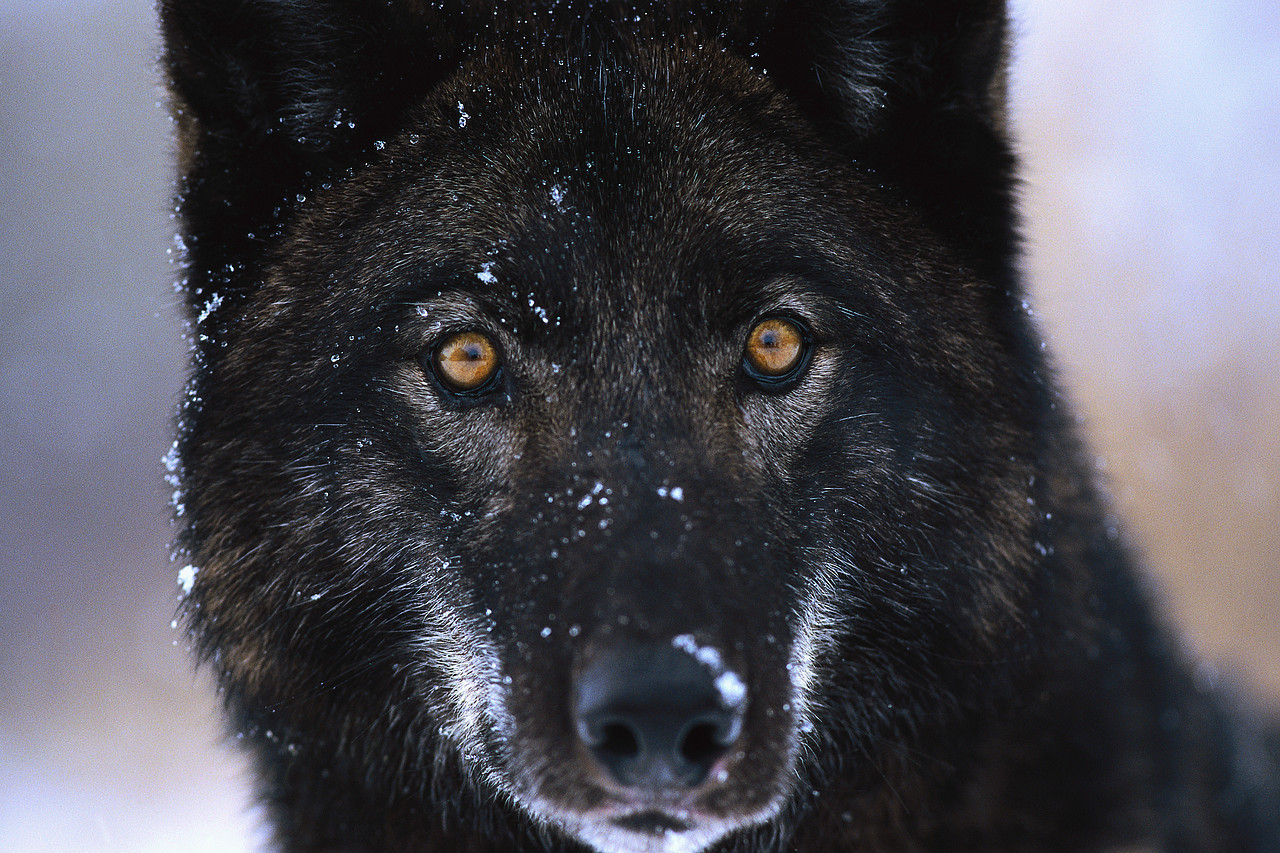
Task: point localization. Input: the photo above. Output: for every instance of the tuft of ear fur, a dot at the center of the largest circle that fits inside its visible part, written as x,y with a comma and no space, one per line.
316,74
272,98
915,91
875,60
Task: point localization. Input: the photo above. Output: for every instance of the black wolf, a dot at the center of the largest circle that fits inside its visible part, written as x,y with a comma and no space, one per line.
617,426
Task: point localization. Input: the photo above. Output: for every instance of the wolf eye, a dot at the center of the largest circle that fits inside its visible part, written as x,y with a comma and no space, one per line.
776,350
465,362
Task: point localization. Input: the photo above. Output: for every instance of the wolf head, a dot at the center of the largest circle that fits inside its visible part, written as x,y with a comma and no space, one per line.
613,423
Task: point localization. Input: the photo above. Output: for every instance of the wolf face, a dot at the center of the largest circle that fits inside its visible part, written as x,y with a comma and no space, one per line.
607,431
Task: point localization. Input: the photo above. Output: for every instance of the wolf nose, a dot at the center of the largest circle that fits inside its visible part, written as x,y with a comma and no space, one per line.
655,716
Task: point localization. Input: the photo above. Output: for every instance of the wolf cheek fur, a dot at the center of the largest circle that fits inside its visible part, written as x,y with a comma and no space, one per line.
616,427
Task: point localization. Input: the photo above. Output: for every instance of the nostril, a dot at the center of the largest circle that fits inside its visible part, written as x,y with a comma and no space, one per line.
702,744
618,741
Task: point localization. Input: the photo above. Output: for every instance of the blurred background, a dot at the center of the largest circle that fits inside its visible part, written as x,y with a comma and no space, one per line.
1151,137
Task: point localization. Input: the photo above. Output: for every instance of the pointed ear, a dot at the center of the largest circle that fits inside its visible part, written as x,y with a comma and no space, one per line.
868,61
914,89
272,97
315,75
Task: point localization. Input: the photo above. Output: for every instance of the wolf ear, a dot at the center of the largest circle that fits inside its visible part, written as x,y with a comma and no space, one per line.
875,62
914,89
315,75
272,97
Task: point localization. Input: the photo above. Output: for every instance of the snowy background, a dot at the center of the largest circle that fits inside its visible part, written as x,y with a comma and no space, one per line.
1151,131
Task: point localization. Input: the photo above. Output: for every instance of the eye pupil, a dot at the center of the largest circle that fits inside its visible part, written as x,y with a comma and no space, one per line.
466,361
469,351
775,348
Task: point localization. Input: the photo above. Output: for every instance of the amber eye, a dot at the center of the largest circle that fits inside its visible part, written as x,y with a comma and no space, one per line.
776,349
465,362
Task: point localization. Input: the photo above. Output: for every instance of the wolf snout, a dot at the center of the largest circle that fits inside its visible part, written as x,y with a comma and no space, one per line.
658,716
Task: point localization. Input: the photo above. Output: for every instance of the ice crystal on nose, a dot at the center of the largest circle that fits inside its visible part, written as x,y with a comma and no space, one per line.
729,685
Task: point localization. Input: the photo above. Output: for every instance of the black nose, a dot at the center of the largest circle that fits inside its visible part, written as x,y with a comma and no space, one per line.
658,715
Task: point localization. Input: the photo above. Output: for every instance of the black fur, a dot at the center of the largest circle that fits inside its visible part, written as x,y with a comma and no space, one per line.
409,593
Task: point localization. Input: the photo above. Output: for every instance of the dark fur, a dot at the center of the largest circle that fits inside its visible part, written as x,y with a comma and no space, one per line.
944,646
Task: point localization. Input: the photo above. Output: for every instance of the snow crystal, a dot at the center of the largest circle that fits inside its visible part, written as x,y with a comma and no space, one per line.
732,690
539,310
486,273
463,117
187,578
705,655
728,683
209,307
676,493
171,458
557,195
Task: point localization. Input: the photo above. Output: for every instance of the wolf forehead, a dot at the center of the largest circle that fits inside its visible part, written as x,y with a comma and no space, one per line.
617,200
586,172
